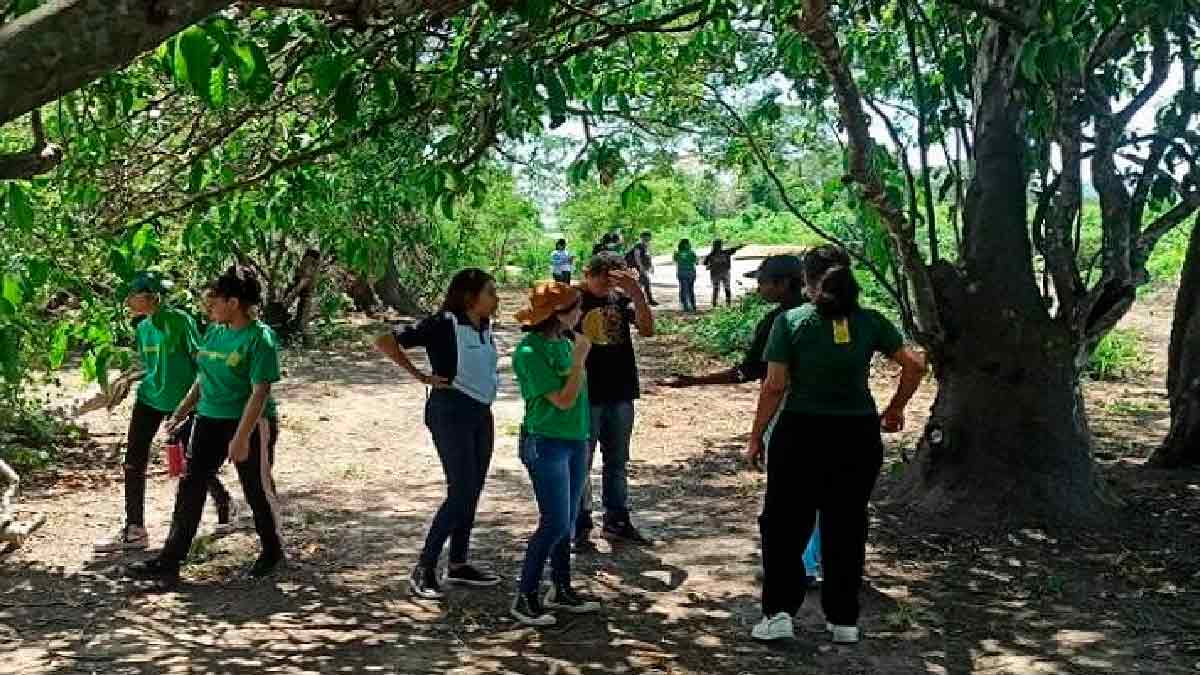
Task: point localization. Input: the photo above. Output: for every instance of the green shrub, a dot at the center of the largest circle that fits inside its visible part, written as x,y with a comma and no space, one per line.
729,329
1118,355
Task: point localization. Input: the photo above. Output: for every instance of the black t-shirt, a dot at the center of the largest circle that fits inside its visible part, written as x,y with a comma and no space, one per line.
611,366
754,363
437,335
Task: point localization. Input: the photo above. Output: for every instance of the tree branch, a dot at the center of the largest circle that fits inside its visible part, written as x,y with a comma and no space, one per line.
995,13
39,159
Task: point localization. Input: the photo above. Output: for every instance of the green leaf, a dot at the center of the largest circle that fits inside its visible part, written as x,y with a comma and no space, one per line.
10,353
1029,62
193,60
384,89
12,291
345,101
327,74
556,98
446,201
59,345
19,208
219,86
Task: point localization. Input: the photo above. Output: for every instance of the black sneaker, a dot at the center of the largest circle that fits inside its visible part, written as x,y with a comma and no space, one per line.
469,575
584,544
265,566
154,569
561,596
625,531
528,609
423,583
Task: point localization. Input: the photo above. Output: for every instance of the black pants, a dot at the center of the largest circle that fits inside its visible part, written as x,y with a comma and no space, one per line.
208,450
143,426
464,433
827,464
563,277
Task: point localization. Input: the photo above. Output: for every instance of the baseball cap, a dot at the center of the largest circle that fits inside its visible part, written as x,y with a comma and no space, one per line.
150,282
778,267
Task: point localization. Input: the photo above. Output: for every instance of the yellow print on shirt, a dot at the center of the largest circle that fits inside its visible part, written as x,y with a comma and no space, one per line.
603,326
231,359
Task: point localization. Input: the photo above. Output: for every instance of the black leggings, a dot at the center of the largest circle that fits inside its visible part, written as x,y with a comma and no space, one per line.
143,426
818,463
464,432
209,450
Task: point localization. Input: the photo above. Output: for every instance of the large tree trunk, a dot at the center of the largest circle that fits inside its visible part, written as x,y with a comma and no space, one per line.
1182,447
1008,437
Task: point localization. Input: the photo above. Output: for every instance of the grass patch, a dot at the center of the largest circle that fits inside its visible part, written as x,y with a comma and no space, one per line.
1118,356
723,331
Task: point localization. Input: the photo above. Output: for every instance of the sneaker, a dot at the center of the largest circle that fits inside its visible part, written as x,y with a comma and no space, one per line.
265,566
844,635
128,538
469,575
227,515
561,596
584,544
527,608
776,627
423,584
154,569
625,531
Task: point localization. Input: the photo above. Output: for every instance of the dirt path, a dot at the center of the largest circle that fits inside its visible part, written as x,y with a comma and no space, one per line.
360,480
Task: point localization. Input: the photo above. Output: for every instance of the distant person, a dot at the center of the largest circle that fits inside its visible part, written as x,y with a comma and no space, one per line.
562,262
719,262
780,280
464,381
614,243
826,449
553,446
641,259
613,303
685,272
167,342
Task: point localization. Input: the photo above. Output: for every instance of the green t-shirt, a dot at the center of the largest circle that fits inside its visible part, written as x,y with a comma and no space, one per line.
231,362
542,367
167,342
830,364
685,262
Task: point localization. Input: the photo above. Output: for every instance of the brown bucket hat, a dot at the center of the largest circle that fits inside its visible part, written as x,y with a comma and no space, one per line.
545,299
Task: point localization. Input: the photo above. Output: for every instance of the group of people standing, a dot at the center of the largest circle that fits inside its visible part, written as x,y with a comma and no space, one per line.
816,426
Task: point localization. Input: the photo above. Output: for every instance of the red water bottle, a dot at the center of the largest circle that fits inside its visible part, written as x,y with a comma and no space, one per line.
175,459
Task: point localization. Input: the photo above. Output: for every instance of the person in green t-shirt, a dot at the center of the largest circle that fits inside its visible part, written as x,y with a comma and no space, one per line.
685,272
826,449
167,341
237,364
553,445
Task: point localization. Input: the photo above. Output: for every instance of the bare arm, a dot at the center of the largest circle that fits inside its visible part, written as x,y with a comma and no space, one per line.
729,376
185,407
564,399
912,365
769,397
390,348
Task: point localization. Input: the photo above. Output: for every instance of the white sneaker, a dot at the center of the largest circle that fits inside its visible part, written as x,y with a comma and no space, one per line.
128,538
844,635
775,627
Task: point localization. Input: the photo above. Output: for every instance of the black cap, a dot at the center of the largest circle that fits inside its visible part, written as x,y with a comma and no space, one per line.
778,267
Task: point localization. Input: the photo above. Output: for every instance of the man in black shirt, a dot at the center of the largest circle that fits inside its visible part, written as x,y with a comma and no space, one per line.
781,280
613,301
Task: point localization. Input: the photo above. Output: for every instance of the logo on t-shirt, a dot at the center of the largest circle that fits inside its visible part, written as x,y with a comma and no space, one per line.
233,359
602,326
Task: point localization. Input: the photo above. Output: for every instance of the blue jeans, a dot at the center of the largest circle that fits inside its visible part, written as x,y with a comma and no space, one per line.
687,292
558,470
812,552
612,428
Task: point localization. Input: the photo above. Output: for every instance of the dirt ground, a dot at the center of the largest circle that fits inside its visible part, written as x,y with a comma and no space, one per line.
360,480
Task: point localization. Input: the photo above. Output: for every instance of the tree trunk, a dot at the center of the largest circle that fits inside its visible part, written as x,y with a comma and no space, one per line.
391,292
1182,447
360,291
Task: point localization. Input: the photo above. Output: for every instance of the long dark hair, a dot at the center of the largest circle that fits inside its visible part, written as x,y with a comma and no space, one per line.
464,288
830,280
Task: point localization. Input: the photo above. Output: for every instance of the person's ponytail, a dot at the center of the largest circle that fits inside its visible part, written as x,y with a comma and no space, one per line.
837,293
832,287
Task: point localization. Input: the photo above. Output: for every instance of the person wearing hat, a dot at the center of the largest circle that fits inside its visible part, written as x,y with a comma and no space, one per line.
167,342
464,381
780,280
551,371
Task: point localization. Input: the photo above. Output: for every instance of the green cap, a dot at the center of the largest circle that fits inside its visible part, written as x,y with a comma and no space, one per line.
150,282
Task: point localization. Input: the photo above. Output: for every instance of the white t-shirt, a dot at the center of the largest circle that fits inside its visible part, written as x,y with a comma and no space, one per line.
560,261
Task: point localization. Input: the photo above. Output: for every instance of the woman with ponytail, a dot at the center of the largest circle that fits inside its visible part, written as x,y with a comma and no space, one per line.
826,449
